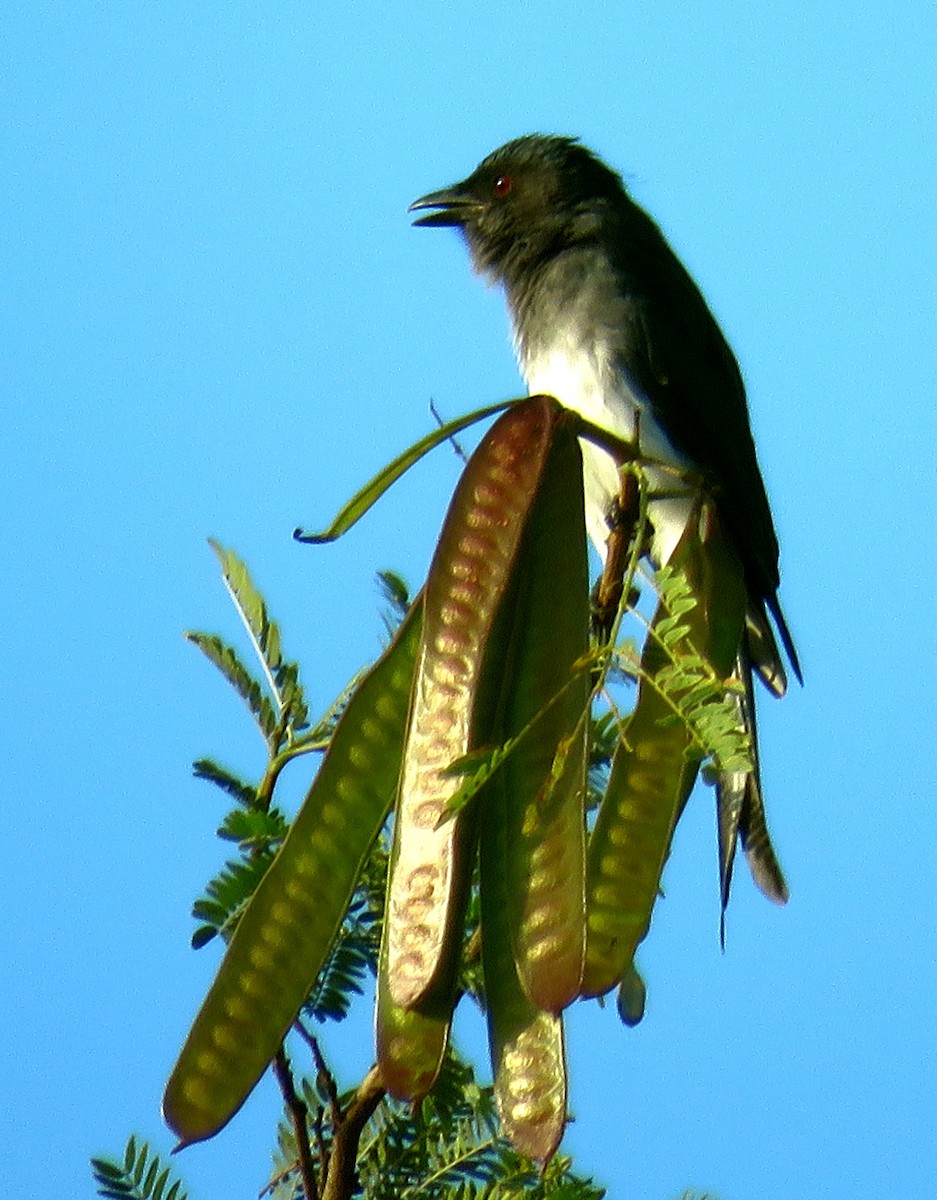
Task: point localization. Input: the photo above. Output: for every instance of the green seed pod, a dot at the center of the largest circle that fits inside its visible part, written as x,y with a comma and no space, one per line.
546,686
468,578
287,928
656,763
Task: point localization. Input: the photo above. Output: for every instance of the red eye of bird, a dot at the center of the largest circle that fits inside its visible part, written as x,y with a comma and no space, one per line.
502,185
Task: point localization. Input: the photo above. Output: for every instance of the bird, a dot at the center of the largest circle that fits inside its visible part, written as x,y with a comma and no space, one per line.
606,318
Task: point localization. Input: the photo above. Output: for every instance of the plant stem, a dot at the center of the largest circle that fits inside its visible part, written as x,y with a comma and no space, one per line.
297,1112
340,1181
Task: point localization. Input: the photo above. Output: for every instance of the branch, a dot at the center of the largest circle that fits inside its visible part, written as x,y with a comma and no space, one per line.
324,1076
298,1112
340,1182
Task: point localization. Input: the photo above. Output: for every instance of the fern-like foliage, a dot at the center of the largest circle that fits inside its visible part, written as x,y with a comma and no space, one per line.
255,829
276,700
140,1176
251,691
602,742
282,676
226,896
445,1148
396,596
698,697
235,787
448,1148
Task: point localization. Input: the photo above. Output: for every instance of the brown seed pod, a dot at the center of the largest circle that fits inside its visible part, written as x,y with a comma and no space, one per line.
469,576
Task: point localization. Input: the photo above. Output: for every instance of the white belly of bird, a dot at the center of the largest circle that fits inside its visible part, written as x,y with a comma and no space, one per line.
578,378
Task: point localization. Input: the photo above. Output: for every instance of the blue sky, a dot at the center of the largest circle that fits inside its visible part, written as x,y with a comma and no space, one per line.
217,321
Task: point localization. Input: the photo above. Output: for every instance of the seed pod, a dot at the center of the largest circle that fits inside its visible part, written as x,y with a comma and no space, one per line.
546,681
656,763
287,928
526,1044
411,1042
468,578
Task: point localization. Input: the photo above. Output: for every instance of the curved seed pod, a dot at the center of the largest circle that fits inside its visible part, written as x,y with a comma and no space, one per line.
285,932
411,1042
656,764
470,572
544,776
526,1044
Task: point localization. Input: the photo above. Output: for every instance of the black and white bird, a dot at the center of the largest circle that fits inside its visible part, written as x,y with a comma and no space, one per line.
607,319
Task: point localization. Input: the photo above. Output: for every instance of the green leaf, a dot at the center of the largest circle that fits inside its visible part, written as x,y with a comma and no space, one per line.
372,491
226,897
282,677
244,793
474,769
247,600
140,1176
228,662
396,596
255,828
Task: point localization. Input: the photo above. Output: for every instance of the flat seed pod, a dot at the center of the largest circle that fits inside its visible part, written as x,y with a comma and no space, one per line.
470,572
411,1042
287,928
545,680
526,1044
656,764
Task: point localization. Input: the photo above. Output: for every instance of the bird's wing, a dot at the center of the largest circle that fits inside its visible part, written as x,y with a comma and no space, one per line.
692,382
675,351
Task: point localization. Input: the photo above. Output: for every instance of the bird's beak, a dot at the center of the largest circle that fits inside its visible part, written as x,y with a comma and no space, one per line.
453,206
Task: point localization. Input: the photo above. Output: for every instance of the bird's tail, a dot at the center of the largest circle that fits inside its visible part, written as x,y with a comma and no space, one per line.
763,649
740,808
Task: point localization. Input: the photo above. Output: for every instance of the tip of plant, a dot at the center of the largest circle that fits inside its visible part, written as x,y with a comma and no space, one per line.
185,1139
310,539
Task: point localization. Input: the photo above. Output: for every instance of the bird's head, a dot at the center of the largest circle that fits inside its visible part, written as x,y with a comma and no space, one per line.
526,201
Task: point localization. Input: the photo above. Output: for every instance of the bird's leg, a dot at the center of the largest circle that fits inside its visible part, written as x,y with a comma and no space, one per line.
622,520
